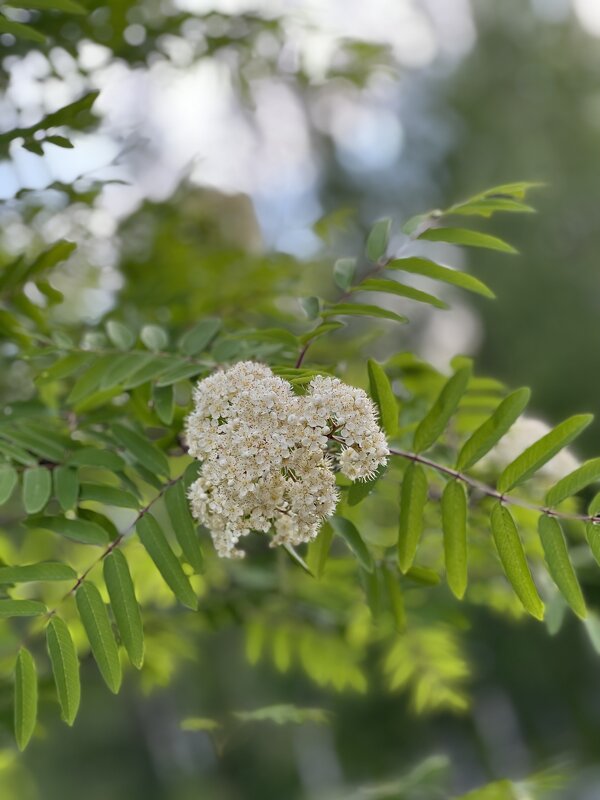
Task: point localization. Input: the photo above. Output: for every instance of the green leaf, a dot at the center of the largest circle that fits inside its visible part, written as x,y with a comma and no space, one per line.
454,525
559,563
485,208
574,482
395,288
377,240
166,561
199,337
64,367
179,371
68,6
94,617
382,393
540,452
66,487
493,429
65,667
154,337
318,550
20,31
91,379
466,238
361,310
395,597
142,449
413,496
348,532
17,454
184,526
79,530
163,400
37,488
361,489
8,481
120,335
512,555
311,306
435,422
26,698
152,369
92,457
344,271
125,606
429,269
109,495
21,608
320,330
43,571
66,144
122,367
39,443
592,534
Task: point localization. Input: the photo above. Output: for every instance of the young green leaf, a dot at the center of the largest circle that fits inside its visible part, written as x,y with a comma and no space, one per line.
8,481
361,310
344,270
21,608
120,335
166,561
79,530
382,393
141,449
179,371
348,532
37,487
433,425
26,698
377,240
121,367
90,379
399,289
65,667
512,555
154,338
311,306
540,452
108,495
94,617
125,606
574,482
184,526
559,563
429,269
66,487
163,400
199,337
43,571
413,496
493,429
466,238
454,525
318,550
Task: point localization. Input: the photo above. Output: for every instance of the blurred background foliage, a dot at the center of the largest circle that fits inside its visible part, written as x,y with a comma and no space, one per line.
237,148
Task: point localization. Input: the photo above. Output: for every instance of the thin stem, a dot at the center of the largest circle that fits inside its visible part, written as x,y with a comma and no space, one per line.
490,491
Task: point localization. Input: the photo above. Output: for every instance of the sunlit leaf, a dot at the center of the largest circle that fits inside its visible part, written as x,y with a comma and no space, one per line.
512,555
540,452
65,667
125,606
454,524
413,496
26,698
166,561
559,563
94,617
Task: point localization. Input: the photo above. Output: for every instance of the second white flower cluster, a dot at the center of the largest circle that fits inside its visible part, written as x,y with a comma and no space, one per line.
268,455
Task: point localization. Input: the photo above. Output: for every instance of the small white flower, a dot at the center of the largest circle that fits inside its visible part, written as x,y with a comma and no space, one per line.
266,463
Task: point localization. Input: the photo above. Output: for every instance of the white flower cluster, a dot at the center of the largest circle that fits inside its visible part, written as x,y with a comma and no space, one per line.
268,455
